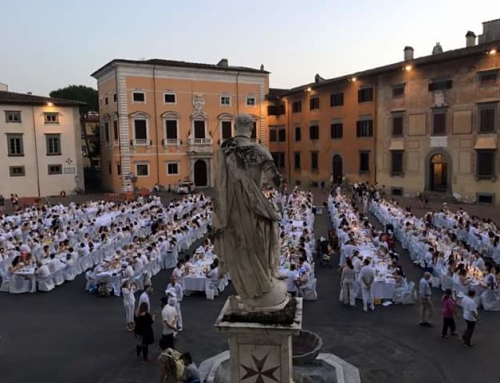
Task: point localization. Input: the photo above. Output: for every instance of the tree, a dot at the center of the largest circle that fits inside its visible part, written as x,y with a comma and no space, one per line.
79,93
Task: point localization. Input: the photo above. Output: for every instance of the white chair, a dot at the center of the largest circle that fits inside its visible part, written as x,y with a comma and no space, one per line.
5,286
19,285
409,296
91,282
69,273
308,292
139,280
490,300
57,275
45,284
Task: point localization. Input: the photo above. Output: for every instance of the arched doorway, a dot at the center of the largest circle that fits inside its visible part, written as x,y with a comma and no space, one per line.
337,168
438,174
200,173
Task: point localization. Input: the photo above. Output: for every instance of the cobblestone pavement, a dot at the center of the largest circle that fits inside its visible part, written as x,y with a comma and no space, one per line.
68,335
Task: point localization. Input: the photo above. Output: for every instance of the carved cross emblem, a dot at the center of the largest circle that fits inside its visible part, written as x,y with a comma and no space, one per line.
69,161
260,371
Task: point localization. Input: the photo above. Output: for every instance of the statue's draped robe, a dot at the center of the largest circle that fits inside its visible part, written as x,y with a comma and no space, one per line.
245,223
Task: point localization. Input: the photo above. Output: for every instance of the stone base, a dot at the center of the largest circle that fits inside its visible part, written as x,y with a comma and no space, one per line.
260,350
327,368
285,316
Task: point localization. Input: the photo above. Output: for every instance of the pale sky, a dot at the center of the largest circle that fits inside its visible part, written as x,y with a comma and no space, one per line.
48,44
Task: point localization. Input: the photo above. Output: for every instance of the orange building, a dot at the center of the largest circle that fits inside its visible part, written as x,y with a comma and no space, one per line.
162,120
324,128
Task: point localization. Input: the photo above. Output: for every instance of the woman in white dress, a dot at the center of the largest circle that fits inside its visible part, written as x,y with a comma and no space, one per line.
348,296
128,291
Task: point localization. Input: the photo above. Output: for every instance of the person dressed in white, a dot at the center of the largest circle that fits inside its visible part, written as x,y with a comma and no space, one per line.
425,300
42,271
470,314
128,291
175,289
292,278
366,278
348,295
148,291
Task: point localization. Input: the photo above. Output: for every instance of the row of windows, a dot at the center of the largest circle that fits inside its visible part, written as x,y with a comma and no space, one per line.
19,171
139,97
279,160
14,116
364,128
142,169
15,144
336,99
485,160
487,121
366,94
140,129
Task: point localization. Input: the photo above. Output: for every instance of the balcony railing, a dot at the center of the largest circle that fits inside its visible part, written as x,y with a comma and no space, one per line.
200,141
141,142
171,142
200,145
116,143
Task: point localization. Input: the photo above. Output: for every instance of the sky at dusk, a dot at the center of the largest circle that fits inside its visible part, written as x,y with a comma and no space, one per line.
48,44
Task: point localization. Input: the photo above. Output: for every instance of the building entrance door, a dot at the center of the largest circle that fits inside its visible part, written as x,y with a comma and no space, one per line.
200,173
337,168
438,173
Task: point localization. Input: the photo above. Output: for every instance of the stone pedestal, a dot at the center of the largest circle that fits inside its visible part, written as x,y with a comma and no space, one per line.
260,352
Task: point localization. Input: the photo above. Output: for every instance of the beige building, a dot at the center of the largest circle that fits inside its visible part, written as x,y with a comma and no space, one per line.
162,120
40,145
438,121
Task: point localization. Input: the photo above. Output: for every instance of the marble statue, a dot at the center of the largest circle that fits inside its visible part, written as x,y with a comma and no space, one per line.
245,223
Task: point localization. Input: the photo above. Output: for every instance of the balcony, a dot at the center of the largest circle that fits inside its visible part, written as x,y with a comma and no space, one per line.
200,145
140,142
171,142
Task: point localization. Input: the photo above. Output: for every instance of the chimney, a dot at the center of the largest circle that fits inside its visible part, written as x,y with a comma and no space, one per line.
4,87
470,39
437,49
223,63
408,53
262,67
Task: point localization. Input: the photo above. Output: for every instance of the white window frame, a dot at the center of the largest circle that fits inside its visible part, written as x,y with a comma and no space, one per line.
225,119
254,101
225,96
207,136
46,114
13,113
138,102
137,173
147,129
170,93
172,162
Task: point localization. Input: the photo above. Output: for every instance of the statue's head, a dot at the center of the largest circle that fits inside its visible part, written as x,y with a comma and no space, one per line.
244,125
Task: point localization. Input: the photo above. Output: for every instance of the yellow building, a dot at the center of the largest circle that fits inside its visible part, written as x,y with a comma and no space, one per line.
162,120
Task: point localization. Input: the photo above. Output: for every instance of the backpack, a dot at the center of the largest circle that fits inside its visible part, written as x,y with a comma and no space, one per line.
174,360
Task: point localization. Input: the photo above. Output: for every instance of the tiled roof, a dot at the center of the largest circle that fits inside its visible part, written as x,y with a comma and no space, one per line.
29,99
275,93
421,61
181,64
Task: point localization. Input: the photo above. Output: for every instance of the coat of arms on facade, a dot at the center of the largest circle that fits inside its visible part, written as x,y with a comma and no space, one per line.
198,103
439,98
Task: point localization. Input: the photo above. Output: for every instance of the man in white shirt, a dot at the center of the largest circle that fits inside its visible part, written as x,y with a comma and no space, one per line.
292,277
366,278
470,314
42,271
175,289
148,291
168,320
425,293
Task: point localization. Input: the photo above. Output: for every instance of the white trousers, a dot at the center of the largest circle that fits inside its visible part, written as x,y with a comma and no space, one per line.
367,295
348,294
129,312
179,313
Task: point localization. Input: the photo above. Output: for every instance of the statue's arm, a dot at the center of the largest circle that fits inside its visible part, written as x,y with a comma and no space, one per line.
269,168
